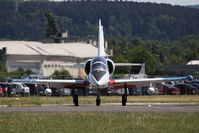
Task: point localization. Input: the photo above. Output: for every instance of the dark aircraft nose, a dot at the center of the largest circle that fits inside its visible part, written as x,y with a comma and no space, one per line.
98,74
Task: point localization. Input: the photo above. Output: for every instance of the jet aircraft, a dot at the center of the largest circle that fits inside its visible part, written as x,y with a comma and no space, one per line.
100,70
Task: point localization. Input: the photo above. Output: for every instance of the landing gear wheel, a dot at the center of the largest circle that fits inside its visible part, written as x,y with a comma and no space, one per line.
124,100
98,100
75,100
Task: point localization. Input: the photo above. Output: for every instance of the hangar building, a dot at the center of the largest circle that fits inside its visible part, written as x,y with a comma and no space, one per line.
182,69
45,58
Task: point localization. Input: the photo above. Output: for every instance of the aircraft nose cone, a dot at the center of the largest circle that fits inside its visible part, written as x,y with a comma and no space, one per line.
98,74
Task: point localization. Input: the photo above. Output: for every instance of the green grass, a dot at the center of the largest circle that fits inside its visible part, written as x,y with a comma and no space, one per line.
94,122
37,101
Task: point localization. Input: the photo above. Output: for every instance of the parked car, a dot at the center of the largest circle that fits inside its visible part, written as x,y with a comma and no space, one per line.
21,88
186,89
137,91
168,89
160,88
120,91
92,91
55,91
36,89
10,89
65,91
195,81
197,86
4,86
1,91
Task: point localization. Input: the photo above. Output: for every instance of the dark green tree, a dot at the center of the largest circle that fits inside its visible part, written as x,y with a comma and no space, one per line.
148,21
63,74
29,72
51,24
20,72
17,74
196,75
2,68
139,54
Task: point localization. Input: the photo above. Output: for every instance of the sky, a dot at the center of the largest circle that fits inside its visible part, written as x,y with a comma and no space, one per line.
172,2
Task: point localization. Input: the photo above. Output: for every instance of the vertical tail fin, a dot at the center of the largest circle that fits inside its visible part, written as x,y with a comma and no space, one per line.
142,70
101,51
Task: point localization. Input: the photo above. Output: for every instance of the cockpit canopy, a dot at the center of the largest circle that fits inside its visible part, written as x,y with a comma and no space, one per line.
99,63
99,59
98,67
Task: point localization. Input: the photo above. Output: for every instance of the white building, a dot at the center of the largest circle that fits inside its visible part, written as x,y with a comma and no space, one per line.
45,58
193,62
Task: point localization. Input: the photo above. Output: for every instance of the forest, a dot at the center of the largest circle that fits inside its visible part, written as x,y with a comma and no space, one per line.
155,54
25,20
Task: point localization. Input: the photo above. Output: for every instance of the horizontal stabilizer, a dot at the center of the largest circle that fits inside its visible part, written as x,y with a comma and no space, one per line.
128,64
72,65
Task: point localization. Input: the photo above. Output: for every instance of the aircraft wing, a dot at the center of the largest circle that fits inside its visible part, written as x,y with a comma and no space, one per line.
116,64
146,81
118,83
77,84
73,65
128,64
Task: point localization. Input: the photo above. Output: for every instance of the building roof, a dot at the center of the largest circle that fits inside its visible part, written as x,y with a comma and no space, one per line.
193,62
80,50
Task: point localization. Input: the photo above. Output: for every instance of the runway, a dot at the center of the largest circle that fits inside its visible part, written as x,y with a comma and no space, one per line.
178,108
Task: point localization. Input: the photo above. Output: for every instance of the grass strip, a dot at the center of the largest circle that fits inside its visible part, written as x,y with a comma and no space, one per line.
37,101
123,122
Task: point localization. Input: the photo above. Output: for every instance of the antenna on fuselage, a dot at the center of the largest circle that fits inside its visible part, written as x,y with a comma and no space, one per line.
101,51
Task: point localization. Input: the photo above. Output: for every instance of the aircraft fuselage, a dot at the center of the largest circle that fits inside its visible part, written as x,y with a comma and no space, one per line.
99,75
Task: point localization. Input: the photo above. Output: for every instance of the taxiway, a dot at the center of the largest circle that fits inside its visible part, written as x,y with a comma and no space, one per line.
149,107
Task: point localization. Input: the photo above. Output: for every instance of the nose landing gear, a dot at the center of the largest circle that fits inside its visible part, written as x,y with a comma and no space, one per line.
98,99
124,96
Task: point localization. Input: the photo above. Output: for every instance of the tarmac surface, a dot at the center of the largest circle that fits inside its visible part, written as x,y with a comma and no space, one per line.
152,107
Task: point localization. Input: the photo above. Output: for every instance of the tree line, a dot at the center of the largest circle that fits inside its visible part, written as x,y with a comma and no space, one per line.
25,20
155,54
21,73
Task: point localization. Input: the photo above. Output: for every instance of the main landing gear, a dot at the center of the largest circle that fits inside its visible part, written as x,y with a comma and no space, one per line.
75,98
124,96
98,100
76,102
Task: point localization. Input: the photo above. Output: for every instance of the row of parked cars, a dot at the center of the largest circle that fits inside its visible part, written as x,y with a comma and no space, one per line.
169,88
29,89
172,88
20,89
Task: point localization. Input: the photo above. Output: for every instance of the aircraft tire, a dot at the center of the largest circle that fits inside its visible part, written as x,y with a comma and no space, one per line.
75,100
98,100
124,100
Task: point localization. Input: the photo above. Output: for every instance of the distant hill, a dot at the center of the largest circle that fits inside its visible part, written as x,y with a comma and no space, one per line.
26,21
194,6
